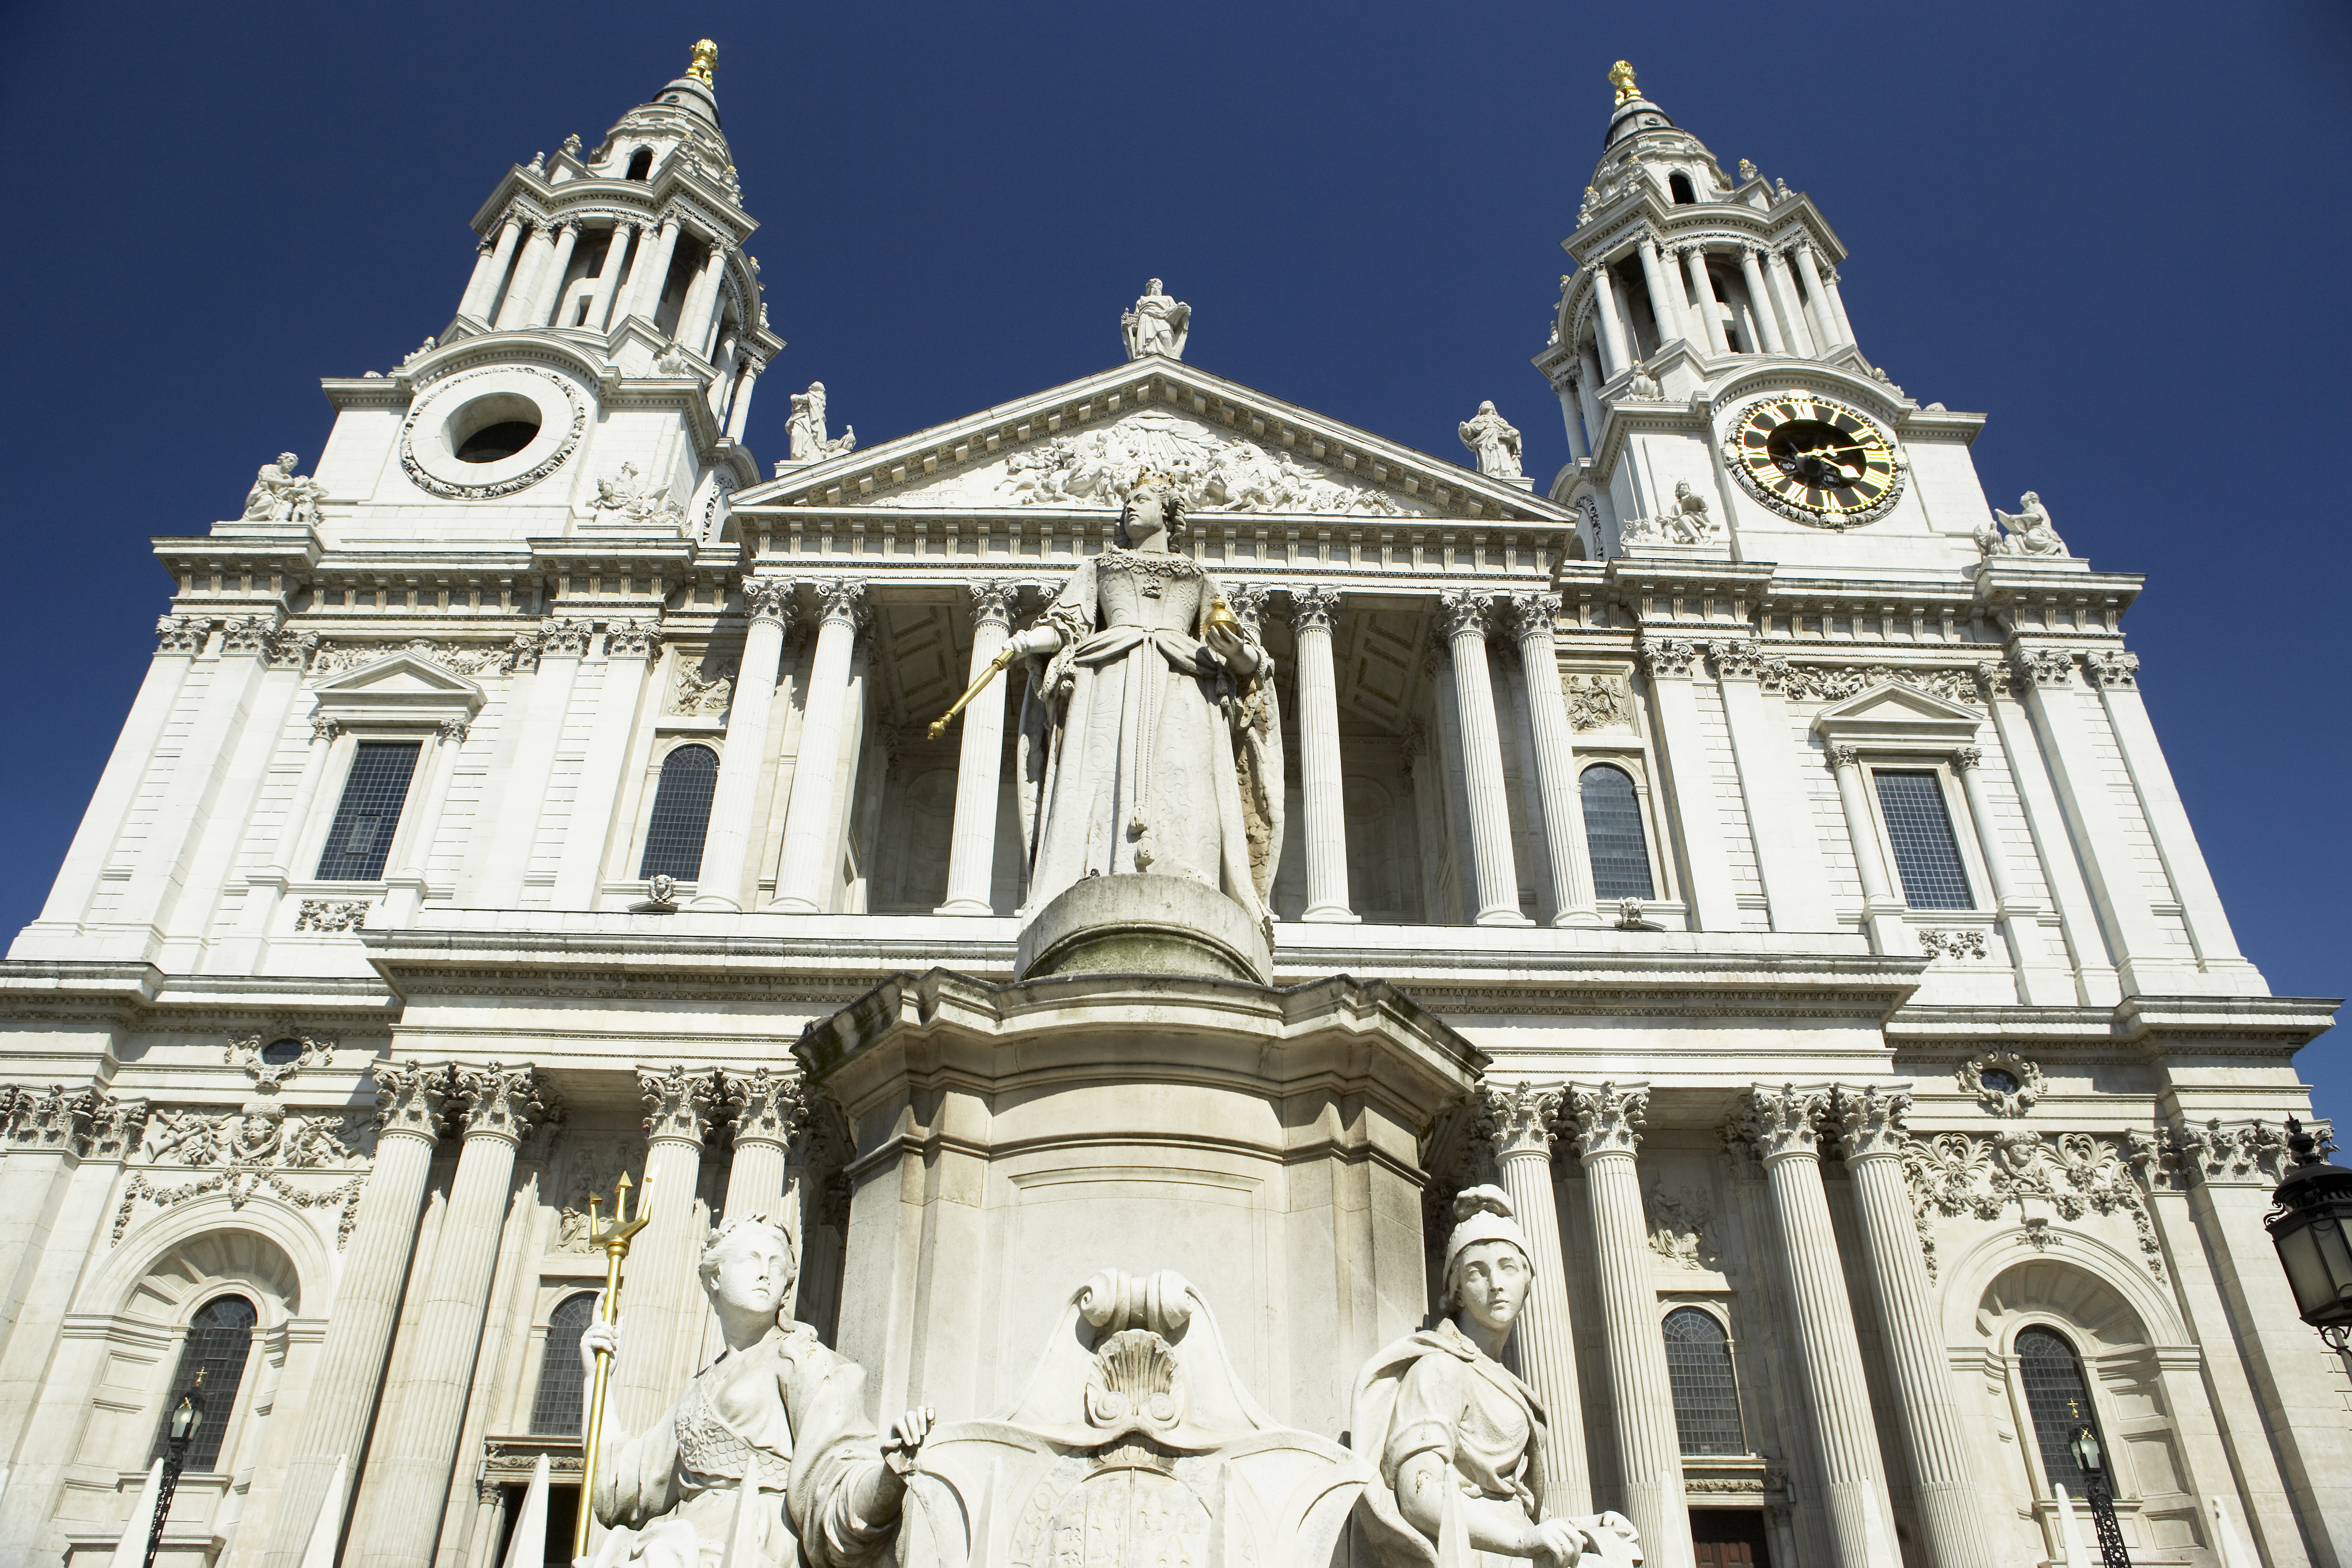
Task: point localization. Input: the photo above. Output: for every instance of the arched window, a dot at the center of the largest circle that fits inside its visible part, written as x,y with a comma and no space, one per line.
681,813
1613,834
1679,187
2059,1400
1698,1370
641,164
555,1408
220,1336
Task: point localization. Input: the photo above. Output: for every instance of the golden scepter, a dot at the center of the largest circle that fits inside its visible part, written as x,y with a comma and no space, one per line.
615,1239
1005,656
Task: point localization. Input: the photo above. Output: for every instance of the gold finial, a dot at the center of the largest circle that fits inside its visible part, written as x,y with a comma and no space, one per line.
1621,74
705,55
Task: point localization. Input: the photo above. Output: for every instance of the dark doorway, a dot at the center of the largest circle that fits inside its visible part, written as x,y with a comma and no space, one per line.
1729,1538
562,1514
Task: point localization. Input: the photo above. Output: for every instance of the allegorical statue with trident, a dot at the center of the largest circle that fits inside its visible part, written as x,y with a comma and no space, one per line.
768,1459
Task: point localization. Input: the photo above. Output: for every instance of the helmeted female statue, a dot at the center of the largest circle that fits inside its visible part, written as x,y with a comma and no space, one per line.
777,1411
1149,740
1456,1437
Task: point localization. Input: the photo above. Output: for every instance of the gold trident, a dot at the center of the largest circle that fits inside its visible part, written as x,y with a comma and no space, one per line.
615,1239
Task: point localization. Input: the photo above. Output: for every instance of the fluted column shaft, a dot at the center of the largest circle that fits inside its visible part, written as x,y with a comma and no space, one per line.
1519,1119
547,288
405,1485
661,1286
1837,305
1555,746
1482,762
1784,299
342,1395
1824,316
490,270
1649,1444
804,876
725,841
740,415
1949,1508
697,324
1311,610
516,307
1666,294
1759,303
614,278
1607,326
979,760
767,1110
1782,1122
651,272
1703,297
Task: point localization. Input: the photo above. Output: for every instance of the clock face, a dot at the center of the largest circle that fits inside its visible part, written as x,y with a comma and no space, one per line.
1816,461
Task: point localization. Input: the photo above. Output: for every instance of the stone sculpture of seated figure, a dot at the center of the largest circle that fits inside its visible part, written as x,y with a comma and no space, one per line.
776,1411
1456,1438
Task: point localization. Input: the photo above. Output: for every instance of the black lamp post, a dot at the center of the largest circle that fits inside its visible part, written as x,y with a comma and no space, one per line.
186,1416
2092,1460
2312,1229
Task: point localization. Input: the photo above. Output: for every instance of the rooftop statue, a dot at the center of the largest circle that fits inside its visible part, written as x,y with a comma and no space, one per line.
1457,1437
1495,440
1150,739
282,495
777,1413
806,428
2028,532
1156,325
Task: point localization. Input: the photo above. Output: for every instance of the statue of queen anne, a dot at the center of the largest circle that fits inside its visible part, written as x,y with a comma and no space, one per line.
1150,738
778,1412
1457,1439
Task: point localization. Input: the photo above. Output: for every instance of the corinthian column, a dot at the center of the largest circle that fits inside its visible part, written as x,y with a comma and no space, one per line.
1519,1118
726,842
406,1483
1311,610
1532,616
1649,1444
1482,761
807,872
662,1284
1871,1118
979,760
409,1104
768,1110
1782,1123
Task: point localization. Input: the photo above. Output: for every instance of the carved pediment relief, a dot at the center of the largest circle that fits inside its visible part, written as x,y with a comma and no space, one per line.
1896,714
404,687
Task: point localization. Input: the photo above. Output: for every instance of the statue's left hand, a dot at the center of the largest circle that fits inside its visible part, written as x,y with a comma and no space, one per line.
906,1439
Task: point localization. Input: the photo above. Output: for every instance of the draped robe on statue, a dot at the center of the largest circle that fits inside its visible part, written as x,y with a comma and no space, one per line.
1140,750
786,1414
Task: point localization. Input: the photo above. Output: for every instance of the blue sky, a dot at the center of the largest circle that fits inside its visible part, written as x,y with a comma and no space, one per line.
2118,230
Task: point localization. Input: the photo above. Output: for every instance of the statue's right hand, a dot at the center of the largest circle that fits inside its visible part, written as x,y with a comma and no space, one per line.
599,1335
1037,639
1557,1540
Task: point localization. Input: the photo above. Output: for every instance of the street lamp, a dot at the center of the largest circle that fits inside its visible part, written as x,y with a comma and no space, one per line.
2092,1460
178,1432
2312,1229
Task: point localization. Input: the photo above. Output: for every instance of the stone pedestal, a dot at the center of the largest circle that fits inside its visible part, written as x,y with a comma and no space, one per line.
1014,1139
1141,924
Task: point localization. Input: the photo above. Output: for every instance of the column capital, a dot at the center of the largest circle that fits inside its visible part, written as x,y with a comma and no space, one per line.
249,635
2043,667
566,639
1608,1120
991,602
1532,615
678,1104
1870,1119
1313,606
633,639
1463,612
325,730
1967,757
1844,757
116,1127
52,1119
410,1099
183,635
764,1107
1247,601
1738,661
2112,669
1784,1123
1518,1118
1665,656
843,600
501,1101
768,599
450,730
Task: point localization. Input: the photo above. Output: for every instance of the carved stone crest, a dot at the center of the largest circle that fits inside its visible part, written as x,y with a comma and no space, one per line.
2004,1083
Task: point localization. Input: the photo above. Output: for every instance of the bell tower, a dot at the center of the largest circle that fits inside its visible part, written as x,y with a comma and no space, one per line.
1716,398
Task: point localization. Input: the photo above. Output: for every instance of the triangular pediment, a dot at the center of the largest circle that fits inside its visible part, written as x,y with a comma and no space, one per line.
1077,447
1897,713
401,686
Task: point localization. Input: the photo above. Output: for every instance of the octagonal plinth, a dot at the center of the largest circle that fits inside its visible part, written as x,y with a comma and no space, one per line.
1136,924
1012,1139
